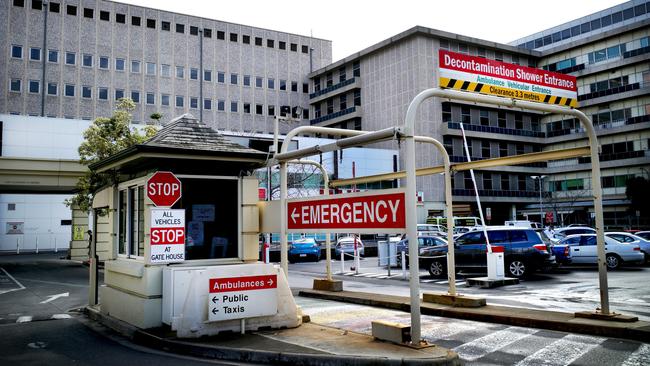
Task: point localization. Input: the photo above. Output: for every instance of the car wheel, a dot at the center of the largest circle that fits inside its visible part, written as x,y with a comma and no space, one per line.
517,268
437,269
612,261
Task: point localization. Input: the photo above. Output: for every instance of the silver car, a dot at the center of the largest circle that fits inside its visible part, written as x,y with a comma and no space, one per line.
583,251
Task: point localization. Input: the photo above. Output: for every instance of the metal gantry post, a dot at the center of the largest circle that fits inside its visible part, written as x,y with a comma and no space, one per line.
284,255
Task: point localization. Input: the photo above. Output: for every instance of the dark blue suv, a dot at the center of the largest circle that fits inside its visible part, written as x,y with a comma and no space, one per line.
524,252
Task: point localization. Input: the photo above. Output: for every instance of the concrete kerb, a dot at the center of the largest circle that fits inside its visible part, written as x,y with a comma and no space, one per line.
530,318
209,351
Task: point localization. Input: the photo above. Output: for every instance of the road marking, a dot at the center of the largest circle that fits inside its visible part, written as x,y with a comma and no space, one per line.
375,275
24,319
54,297
61,316
563,351
20,285
460,283
640,357
480,347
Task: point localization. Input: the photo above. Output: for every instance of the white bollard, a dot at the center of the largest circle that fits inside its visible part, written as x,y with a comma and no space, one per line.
37,245
404,265
342,262
357,262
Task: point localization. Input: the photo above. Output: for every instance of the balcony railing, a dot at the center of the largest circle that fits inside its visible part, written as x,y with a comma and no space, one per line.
571,69
615,156
332,88
492,129
601,126
494,193
610,91
330,116
638,51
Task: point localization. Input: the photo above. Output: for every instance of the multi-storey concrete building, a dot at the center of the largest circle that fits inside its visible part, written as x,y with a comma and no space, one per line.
75,58
606,51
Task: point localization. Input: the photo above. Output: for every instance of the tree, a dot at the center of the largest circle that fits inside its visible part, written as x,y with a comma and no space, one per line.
156,116
105,137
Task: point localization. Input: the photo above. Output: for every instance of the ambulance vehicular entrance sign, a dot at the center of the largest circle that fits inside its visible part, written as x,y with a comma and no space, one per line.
167,235
239,297
366,212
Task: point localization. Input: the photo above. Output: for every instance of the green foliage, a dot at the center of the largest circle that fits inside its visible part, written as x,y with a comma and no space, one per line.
106,137
156,116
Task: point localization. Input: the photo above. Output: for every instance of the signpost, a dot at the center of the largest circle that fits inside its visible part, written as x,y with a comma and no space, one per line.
242,297
164,189
167,235
366,212
476,74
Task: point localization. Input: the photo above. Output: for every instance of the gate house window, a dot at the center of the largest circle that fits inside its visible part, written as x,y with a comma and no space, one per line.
131,221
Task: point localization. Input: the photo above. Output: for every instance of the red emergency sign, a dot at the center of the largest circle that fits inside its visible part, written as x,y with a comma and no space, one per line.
352,211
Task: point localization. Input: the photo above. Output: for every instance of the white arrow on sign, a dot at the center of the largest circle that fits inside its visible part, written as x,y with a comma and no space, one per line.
294,215
54,297
270,282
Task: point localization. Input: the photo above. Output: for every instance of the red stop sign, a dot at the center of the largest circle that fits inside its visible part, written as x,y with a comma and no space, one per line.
164,189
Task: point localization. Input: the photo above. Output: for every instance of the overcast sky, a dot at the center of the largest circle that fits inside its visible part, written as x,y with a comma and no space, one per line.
354,25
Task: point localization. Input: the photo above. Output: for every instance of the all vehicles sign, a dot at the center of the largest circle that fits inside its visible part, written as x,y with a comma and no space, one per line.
240,297
167,235
367,212
476,74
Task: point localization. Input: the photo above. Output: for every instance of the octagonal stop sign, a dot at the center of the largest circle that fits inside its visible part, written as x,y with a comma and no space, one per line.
164,189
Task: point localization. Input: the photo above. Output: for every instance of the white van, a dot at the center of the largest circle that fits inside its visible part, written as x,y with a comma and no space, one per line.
524,223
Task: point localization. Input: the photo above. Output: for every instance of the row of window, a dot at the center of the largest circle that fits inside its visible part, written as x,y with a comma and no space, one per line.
485,117
588,26
329,80
577,184
343,104
602,118
164,25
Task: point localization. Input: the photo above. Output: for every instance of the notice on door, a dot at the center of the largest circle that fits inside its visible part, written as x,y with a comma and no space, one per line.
240,297
167,235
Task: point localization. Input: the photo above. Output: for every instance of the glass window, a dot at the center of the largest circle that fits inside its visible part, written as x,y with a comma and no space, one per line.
165,70
233,37
233,79
102,93
35,54
194,102
151,68
164,99
221,105
270,83
271,110
180,100
471,238
207,104
103,62
247,108
293,47
151,98
89,13
131,222
15,85
207,75
135,21
166,26
270,43
120,18
104,15
233,106
69,90
259,109
135,66
518,235
498,236
180,72
70,58
259,82
87,60
247,80
53,56
120,64
221,77
119,94
294,86
86,92
194,73
221,35
282,45
283,84
135,96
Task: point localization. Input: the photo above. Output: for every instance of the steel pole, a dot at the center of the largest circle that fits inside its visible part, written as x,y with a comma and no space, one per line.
541,211
284,255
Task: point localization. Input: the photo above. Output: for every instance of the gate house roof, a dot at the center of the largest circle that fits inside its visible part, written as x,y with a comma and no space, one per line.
185,138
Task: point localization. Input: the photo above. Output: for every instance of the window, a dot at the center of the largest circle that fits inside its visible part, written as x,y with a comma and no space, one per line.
135,21
305,49
505,182
270,83
166,26
246,39
521,182
282,45
233,37
487,181
356,69
293,47
233,79
102,93
221,105
34,86
120,18
194,31
221,77
35,54
503,149
53,56
465,116
104,15
120,64
471,238
259,109
258,82
194,102
501,119
221,35
316,84
19,3
343,102
180,72
164,99
15,85
328,79
342,74
135,96
207,75
247,108
55,8
87,60
69,90
283,84
258,41
103,62
485,149
270,43
119,94
446,112
151,23
207,33
180,100
165,70
150,98
37,4
270,110
294,86
233,106
16,51
330,106
135,66
151,68
71,10
305,88
357,97
519,123
89,13
484,117
194,73
180,28
131,221
207,104
247,80
86,92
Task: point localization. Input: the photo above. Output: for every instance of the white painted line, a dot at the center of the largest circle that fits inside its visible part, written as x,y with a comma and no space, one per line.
640,357
24,319
426,281
442,282
563,351
61,316
460,283
492,342
20,285
375,275
54,297
383,277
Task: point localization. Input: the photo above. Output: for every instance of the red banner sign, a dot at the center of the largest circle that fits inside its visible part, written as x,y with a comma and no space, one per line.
250,283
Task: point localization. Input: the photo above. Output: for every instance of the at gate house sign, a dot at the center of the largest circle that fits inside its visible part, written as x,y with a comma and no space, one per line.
167,235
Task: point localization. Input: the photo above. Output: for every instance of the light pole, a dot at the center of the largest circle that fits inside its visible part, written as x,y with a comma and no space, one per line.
541,211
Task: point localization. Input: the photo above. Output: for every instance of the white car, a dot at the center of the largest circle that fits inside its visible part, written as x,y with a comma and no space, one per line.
429,229
624,237
583,251
561,233
346,245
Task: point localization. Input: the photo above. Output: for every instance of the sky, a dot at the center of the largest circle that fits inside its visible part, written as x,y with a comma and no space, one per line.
355,25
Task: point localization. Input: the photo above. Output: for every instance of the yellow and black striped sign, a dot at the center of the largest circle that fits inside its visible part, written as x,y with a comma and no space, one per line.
464,85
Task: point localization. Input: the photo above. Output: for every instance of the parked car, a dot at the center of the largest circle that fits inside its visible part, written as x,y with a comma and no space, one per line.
561,233
524,223
423,242
429,229
305,248
561,252
644,234
346,245
624,237
583,251
524,252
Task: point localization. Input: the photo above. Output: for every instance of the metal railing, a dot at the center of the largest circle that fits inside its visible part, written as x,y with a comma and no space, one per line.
332,88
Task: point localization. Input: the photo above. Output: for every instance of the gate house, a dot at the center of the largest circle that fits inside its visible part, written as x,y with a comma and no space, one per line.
219,196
